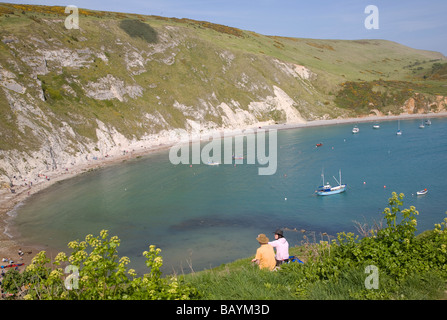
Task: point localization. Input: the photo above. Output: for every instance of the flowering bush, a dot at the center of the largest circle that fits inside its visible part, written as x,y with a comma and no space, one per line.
395,249
97,273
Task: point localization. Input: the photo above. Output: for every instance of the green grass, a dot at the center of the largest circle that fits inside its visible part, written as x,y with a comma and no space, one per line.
241,280
248,283
350,286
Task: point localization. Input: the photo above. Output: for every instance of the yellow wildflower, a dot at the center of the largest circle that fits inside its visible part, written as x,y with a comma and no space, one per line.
61,256
103,234
124,260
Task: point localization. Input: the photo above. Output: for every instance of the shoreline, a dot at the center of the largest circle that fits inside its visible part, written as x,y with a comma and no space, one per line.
10,244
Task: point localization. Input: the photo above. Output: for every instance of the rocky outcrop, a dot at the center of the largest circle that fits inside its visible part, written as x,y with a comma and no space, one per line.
108,88
422,104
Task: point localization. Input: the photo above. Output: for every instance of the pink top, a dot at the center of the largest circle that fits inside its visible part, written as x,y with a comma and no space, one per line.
282,248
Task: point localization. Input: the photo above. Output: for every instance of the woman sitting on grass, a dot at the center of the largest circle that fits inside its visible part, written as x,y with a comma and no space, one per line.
282,247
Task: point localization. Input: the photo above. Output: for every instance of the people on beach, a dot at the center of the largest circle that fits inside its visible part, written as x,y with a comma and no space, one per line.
265,256
281,246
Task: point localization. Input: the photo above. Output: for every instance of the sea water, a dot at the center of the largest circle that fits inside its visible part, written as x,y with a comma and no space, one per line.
202,216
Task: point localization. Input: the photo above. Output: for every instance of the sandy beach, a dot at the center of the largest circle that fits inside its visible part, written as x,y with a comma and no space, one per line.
10,246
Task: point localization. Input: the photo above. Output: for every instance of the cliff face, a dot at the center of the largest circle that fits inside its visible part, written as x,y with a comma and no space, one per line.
125,82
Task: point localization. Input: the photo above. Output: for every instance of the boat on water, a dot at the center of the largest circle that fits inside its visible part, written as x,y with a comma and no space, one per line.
422,192
355,130
212,163
421,126
428,122
327,189
319,144
398,128
376,126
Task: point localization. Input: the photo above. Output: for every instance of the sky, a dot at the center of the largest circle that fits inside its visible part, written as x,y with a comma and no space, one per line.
417,24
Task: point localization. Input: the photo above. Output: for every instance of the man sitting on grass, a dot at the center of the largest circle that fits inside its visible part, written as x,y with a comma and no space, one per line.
265,256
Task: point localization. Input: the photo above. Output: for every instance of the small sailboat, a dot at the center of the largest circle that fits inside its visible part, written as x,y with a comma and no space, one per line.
376,126
327,189
355,129
398,128
428,122
422,192
421,126
212,163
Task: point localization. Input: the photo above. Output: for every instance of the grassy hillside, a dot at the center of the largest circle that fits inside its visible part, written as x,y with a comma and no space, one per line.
140,75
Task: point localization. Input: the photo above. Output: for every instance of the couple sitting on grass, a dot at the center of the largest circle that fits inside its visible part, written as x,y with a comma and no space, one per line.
265,255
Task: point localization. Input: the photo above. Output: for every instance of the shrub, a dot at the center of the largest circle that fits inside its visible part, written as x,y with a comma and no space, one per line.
138,29
98,274
363,96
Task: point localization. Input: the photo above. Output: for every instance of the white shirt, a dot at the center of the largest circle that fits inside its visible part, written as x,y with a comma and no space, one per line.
282,248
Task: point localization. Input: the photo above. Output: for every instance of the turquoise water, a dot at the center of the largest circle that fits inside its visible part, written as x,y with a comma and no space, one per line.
202,216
